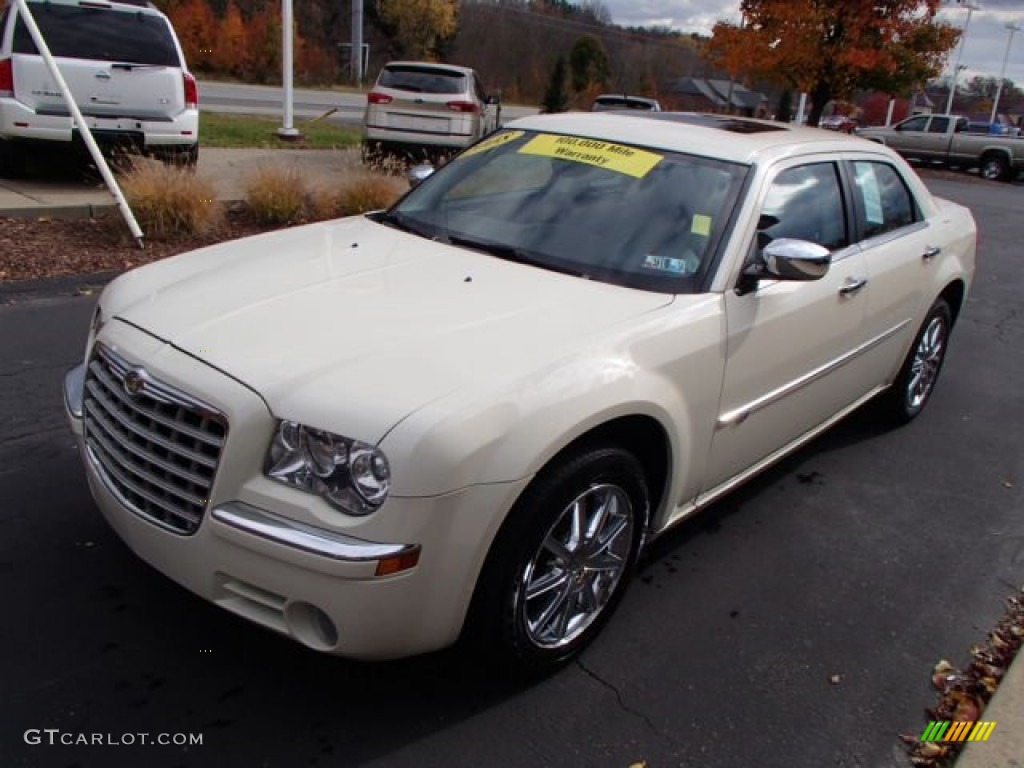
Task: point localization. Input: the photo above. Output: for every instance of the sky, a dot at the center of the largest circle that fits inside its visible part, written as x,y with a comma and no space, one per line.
984,47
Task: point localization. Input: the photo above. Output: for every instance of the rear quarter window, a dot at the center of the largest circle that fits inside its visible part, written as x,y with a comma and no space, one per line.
422,80
100,34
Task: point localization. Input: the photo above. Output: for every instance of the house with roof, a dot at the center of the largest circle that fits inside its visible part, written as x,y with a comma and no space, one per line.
695,94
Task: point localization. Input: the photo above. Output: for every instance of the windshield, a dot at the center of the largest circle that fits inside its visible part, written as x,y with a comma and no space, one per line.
621,214
422,79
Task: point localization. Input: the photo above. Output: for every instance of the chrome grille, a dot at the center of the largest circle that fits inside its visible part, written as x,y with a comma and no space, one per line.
156,447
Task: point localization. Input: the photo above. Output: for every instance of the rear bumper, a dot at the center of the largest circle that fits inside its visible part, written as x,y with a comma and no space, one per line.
20,123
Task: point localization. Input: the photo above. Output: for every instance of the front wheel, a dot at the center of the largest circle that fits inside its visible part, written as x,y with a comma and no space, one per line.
916,380
561,562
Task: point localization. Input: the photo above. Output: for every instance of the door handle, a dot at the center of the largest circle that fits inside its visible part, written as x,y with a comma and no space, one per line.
931,252
852,285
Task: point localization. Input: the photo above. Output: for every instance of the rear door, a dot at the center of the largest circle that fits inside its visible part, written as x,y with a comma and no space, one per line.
117,62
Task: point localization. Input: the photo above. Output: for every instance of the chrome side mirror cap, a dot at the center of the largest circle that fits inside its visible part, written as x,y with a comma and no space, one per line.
419,173
789,259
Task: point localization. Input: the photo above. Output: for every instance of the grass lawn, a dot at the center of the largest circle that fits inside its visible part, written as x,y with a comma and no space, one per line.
220,130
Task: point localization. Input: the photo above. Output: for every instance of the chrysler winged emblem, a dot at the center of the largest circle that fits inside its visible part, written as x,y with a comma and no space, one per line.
135,382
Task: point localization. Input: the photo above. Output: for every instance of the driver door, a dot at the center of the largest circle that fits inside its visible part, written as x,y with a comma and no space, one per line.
791,359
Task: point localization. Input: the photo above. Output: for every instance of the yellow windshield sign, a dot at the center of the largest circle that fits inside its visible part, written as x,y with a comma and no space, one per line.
603,154
494,141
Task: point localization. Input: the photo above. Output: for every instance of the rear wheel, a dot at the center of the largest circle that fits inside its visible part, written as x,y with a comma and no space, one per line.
995,167
561,562
916,380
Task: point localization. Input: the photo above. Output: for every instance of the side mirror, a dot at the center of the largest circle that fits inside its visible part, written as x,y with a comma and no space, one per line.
494,99
418,174
789,259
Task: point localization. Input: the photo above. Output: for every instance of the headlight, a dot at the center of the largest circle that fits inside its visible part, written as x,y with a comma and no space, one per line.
354,477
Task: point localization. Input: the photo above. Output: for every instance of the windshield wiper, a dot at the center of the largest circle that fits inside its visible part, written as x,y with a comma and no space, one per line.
511,253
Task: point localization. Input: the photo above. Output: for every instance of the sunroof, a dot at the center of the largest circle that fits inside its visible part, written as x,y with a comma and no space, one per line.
721,122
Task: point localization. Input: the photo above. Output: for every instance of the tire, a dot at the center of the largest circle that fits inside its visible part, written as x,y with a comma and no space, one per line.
915,382
546,590
994,167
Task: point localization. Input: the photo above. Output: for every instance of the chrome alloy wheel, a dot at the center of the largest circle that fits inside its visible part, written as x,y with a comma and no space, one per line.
569,581
924,369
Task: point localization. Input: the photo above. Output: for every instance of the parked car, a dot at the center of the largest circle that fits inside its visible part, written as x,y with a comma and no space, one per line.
126,72
947,140
840,123
415,105
468,414
608,102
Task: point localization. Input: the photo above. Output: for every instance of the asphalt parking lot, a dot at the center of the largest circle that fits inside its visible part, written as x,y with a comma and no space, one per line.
794,624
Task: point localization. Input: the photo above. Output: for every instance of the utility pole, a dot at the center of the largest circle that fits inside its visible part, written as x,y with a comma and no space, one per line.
971,8
357,42
1002,72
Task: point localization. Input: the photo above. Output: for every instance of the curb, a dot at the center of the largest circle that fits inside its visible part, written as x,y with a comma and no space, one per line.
80,211
1005,748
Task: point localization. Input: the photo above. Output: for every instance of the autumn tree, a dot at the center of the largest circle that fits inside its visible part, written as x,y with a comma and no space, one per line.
418,27
231,53
830,48
265,45
197,28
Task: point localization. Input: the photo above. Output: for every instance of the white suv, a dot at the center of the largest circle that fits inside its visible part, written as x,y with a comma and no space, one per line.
124,66
417,105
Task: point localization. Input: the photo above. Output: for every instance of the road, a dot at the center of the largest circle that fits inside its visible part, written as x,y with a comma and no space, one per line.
306,103
795,624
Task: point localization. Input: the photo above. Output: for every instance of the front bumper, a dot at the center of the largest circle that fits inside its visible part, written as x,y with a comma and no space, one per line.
332,582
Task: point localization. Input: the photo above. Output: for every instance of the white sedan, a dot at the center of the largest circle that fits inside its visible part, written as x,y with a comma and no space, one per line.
465,416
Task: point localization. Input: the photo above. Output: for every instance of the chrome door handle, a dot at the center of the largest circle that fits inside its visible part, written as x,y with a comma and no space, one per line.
852,285
931,252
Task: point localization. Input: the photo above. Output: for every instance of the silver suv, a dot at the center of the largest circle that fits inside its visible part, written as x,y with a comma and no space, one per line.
125,69
423,105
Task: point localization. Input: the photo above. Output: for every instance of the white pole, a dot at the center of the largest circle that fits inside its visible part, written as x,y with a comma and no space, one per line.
357,41
79,121
888,112
1002,72
800,109
971,7
287,129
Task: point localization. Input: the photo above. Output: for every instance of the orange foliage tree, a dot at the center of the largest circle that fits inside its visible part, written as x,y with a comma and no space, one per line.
231,53
197,29
830,48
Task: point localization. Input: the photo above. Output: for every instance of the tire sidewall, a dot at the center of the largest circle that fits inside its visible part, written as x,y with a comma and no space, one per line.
906,412
519,540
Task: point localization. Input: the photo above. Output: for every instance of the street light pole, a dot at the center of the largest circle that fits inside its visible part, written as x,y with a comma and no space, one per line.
1002,72
287,131
971,8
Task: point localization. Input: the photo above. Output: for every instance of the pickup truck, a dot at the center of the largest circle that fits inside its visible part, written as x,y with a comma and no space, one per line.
946,139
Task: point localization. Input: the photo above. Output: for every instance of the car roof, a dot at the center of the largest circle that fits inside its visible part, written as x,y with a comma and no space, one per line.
735,139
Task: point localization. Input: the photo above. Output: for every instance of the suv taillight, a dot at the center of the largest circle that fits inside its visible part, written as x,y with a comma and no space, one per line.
6,77
463,106
373,97
191,92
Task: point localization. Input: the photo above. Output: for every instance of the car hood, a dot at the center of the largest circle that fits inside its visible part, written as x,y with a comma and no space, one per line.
352,325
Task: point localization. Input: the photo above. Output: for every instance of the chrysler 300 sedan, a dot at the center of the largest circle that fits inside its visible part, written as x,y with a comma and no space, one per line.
466,415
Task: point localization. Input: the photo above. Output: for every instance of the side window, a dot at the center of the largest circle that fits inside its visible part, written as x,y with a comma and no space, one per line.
914,124
938,125
805,203
885,202
480,92
962,124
